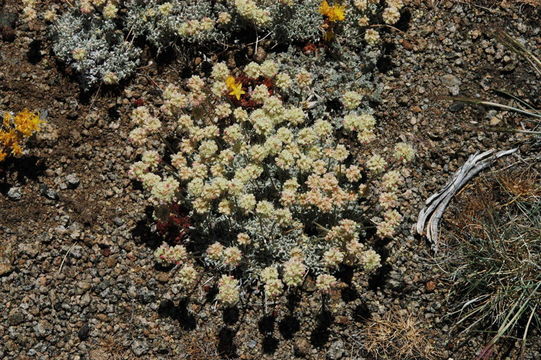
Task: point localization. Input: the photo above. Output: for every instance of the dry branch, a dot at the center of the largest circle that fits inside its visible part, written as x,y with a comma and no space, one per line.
430,216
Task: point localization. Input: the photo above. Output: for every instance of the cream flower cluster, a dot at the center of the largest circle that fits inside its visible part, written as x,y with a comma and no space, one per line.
273,183
195,27
391,14
171,254
108,8
29,12
250,11
228,290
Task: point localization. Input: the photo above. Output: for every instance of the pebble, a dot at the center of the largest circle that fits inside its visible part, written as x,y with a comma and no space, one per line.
16,318
48,192
41,329
72,180
452,83
84,332
302,347
456,106
5,269
15,193
139,347
336,350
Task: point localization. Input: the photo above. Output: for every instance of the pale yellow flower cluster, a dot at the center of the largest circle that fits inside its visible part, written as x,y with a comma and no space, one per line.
110,78
195,27
228,290
404,152
363,124
108,8
294,271
391,220
187,277
29,12
347,249
371,36
352,99
391,14
249,10
272,284
171,254
325,283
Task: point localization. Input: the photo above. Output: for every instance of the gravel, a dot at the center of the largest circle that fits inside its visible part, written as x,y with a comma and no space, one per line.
77,276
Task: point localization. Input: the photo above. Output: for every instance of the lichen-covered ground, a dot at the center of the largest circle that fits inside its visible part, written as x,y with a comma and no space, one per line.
78,279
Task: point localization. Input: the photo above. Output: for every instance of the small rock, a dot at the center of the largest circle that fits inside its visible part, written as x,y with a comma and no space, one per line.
73,181
162,277
145,295
407,45
301,347
41,329
260,54
76,252
31,250
456,106
430,286
15,193
336,350
83,332
85,285
48,193
5,269
15,318
452,83
139,347
495,121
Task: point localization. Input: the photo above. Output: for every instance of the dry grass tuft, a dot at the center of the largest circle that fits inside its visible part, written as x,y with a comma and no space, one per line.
494,255
399,335
201,344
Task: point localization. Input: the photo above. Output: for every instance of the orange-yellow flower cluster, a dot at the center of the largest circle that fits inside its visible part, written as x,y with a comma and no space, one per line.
333,13
14,130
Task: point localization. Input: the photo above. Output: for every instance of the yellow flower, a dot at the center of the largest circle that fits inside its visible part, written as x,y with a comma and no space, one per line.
7,120
8,138
236,90
16,149
235,87
333,13
324,8
230,81
27,122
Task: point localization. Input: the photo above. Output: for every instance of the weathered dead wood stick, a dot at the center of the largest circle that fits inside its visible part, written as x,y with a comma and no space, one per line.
430,216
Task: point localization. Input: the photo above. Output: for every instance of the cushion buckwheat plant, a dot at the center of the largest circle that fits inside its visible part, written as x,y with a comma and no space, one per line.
88,39
272,193
95,37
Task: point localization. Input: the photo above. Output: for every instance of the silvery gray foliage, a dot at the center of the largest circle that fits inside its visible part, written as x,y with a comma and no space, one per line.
162,28
94,47
301,22
298,23
187,25
334,72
